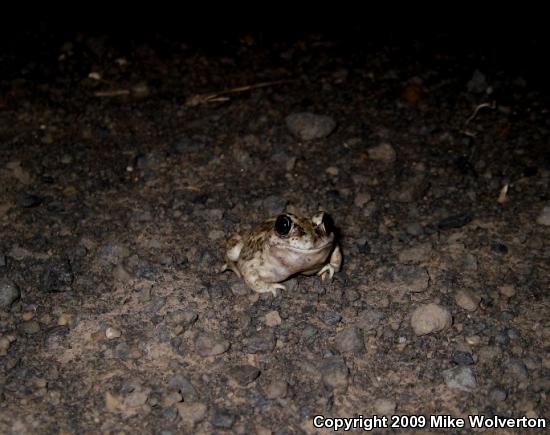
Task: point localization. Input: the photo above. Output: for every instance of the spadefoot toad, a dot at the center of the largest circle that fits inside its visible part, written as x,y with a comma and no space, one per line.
281,247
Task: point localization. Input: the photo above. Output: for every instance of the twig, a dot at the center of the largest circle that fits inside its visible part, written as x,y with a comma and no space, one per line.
113,93
491,105
198,99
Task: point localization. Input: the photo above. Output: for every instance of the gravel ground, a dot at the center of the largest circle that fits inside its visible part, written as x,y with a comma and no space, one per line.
118,191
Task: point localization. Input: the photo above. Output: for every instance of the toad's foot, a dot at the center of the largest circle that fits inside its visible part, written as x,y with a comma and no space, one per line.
266,287
327,270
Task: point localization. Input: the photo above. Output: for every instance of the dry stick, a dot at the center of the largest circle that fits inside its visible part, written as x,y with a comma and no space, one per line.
114,93
467,132
198,99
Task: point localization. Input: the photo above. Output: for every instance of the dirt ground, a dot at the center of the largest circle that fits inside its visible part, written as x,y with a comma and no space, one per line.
118,191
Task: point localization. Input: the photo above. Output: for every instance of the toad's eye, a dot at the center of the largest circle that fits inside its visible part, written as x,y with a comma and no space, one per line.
328,224
283,224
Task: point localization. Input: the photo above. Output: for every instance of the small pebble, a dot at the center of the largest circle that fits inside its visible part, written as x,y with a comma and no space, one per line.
138,397
430,318
308,126
350,340
273,318
369,319
473,340
414,229
244,374
332,171
64,319
112,333
460,378
462,358
497,394
9,293
361,199
384,406
544,216
455,221
507,291
222,419
261,342
384,153
191,413
335,373
330,318
467,300
276,389
210,344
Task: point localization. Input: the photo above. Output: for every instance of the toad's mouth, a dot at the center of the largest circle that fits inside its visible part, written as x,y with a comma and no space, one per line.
308,250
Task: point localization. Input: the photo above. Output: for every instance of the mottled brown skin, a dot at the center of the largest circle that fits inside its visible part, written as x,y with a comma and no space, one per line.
264,258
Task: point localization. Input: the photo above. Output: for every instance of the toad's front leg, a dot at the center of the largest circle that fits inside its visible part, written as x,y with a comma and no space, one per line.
334,264
255,282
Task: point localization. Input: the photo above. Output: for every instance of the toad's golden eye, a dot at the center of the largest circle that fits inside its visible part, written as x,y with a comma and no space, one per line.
283,224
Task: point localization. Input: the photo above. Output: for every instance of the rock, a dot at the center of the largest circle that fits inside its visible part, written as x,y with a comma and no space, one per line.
113,254
410,278
369,319
2,260
361,199
239,288
462,358
416,254
274,205
544,216
210,344
430,318
350,340
308,126
384,406
155,305
244,374
414,229
222,419
497,394
517,369
261,342
182,317
507,291
120,274
184,386
333,171
467,300
9,293
455,221
112,333
185,145
28,200
138,397
216,235
273,318
330,318
191,413
277,389
334,373
383,153
460,378
29,327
